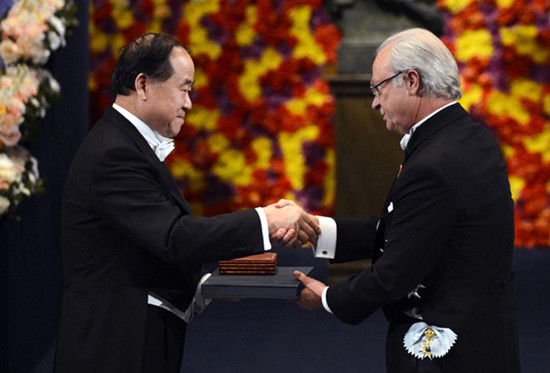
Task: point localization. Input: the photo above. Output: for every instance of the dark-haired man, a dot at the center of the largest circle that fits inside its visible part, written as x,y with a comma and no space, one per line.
132,251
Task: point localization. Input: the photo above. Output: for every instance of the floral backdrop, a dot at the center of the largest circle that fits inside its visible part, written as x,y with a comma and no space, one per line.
30,31
502,47
261,127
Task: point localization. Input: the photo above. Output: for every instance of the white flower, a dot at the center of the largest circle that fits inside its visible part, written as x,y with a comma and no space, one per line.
54,85
56,37
9,171
25,30
4,204
24,190
30,31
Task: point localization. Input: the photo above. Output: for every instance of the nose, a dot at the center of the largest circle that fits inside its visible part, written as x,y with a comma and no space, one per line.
376,103
187,103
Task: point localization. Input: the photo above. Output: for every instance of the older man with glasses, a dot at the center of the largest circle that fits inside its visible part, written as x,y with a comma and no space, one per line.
442,247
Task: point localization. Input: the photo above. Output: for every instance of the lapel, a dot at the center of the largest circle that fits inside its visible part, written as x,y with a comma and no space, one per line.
167,179
433,125
425,131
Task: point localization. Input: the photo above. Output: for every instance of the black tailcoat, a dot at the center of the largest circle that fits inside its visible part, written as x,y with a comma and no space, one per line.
448,224
128,231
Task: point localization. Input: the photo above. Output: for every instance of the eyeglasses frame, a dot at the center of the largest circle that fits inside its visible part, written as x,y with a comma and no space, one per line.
374,88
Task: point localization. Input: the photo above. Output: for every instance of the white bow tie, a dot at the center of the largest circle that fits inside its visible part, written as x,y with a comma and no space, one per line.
405,141
163,149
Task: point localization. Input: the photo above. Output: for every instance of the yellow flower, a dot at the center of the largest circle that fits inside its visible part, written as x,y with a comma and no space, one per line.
91,83
117,42
120,4
546,104
471,97
516,186
291,146
262,147
199,42
330,178
183,169
201,79
162,10
194,10
248,84
504,3
507,150
245,33
99,41
231,167
123,18
155,26
474,43
312,97
523,38
202,118
525,88
218,142
540,143
253,69
306,47
502,104
456,6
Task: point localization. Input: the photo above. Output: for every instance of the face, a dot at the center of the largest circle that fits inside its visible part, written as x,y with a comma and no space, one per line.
167,102
394,103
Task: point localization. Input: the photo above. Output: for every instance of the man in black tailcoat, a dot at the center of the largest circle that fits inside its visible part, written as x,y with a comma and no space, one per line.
132,251
442,248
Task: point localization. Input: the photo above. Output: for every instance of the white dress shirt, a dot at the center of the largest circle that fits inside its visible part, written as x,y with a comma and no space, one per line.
163,146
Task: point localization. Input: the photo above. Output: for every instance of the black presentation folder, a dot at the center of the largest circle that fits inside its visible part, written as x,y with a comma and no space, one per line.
280,285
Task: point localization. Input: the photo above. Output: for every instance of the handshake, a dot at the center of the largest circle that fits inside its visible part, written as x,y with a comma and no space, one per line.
290,225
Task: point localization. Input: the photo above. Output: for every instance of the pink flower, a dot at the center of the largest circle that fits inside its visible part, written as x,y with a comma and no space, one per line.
10,137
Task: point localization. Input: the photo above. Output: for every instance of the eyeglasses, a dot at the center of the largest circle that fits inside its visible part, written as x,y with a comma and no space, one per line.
374,88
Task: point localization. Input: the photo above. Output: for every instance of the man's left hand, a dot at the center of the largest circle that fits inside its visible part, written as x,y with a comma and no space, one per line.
311,297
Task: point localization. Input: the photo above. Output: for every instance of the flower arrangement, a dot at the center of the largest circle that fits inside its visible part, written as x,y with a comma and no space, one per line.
503,55
261,127
18,178
30,31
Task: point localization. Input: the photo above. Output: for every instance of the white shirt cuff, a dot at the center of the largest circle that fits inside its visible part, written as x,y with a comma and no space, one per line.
200,301
265,229
326,242
157,301
324,300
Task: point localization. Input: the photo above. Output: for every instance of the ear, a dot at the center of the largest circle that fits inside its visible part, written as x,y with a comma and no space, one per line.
412,82
141,84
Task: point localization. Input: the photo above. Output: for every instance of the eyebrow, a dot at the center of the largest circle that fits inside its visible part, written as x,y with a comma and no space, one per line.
187,82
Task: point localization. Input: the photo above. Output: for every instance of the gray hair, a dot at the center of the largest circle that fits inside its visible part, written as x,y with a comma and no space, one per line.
418,49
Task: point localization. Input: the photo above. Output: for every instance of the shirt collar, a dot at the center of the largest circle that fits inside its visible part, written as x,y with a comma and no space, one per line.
162,146
405,139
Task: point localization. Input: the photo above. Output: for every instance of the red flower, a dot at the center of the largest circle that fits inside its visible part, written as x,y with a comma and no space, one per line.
470,18
241,119
182,32
328,36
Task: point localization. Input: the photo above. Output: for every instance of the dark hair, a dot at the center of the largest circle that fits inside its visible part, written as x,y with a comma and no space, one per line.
148,54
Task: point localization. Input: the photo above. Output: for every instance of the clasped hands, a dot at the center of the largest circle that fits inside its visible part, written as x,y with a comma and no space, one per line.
290,225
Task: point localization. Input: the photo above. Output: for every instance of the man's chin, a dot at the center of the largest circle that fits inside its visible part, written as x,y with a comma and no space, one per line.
175,129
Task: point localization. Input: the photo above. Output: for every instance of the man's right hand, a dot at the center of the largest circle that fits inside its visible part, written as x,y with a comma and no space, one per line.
290,225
